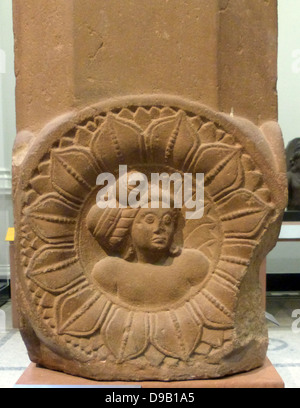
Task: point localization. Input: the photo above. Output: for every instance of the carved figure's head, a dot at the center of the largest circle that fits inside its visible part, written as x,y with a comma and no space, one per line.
143,235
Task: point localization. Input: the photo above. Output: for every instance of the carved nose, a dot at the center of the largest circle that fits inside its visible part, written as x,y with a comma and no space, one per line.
159,227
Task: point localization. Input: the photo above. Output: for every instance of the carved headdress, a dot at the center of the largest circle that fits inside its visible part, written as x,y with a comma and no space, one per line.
111,226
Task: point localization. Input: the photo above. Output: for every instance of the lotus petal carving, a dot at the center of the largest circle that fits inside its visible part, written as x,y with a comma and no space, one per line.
243,214
53,219
118,141
78,312
126,334
172,141
55,269
73,173
222,168
175,333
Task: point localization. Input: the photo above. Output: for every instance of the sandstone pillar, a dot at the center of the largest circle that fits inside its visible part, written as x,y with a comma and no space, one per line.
122,292
221,53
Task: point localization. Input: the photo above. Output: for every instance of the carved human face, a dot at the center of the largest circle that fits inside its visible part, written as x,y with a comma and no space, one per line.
153,230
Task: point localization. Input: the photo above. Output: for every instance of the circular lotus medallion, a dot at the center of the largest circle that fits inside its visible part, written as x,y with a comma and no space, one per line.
122,284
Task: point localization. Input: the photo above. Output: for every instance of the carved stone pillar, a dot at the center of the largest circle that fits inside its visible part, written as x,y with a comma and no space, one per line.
222,53
125,293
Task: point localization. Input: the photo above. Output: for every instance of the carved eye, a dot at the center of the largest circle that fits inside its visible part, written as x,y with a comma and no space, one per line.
167,219
149,219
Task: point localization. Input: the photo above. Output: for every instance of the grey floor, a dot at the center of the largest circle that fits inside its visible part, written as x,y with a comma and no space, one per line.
284,342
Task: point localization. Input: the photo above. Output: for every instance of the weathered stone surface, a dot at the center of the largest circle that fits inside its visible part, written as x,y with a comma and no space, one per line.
108,297
220,53
247,59
120,293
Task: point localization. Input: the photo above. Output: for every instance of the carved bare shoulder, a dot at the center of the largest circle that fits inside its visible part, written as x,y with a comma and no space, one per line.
196,265
105,273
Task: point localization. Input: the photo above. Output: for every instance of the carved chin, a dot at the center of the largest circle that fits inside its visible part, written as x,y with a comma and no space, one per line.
155,246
